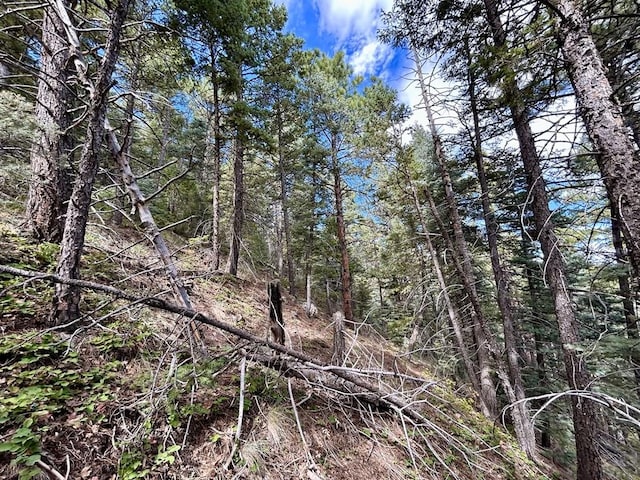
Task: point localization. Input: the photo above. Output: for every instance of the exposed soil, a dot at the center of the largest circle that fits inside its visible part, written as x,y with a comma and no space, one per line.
141,402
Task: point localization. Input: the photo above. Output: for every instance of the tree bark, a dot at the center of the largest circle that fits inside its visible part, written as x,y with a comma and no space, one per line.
462,259
238,196
619,163
120,155
276,319
585,421
67,297
520,413
467,361
284,201
149,225
347,303
216,164
45,205
631,320
337,358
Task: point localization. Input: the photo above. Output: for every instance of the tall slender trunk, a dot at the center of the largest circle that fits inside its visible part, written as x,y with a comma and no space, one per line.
467,361
284,200
238,197
347,303
585,421
45,205
625,291
308,301
278,248
67,297
540,363
461,255
618,161
216,161
310,243
520,413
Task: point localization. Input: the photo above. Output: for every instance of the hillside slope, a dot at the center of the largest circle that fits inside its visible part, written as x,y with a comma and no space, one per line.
128,395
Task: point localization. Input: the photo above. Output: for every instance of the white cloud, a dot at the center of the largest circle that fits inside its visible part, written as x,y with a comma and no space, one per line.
371,57
354,25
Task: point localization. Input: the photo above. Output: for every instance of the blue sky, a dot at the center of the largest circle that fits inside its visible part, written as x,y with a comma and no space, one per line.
351,26
348,25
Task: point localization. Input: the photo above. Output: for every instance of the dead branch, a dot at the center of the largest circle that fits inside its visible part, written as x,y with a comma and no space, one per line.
337,379
236,441
311,464
128,178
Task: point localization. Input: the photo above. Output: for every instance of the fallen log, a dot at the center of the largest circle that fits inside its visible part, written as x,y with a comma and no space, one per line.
379,395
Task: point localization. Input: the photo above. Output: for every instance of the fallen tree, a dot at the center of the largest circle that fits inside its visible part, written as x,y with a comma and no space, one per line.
429,431
379,394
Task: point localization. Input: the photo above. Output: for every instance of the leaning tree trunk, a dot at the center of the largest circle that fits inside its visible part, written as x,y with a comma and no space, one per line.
619,163
67,297
461,256
45,205
585,420
120,154
454,320
345,277
520,413
149,225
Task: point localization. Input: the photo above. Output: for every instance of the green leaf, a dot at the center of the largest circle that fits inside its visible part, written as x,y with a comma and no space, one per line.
9,447
29,473
32,459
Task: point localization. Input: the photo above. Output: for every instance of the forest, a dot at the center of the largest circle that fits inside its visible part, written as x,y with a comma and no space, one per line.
226,255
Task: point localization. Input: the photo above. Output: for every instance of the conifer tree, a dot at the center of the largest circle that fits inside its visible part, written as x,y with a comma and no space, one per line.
45,206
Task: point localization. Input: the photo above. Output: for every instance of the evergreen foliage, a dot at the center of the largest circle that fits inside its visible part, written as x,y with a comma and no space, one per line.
284,162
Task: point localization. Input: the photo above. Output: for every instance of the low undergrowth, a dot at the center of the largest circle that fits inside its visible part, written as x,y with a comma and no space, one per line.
127,395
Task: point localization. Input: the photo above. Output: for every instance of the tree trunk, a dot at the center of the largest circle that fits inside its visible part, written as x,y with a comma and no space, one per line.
216,164
625,292
540,365
620,85
347,304
45,205
284,200
67,297
337,358
238,198
276,319
309,308
469,367
520,413
462,259
277,249
619,163
585,421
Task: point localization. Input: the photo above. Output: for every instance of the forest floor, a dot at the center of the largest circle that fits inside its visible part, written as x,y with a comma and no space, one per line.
129,394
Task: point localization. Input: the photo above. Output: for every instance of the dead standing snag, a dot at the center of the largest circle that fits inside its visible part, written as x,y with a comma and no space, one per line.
276,320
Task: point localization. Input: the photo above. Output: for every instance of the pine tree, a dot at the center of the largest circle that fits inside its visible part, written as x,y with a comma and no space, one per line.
67,297
45,209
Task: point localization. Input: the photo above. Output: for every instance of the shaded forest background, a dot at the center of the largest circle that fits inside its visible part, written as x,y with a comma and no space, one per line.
498,242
